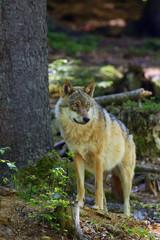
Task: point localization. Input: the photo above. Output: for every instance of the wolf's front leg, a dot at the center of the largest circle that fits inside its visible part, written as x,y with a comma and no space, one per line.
80,168
98,184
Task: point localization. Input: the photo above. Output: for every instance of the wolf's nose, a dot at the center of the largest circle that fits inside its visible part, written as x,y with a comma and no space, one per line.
86,119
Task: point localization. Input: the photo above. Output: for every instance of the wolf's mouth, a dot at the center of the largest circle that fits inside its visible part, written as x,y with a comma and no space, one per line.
79,122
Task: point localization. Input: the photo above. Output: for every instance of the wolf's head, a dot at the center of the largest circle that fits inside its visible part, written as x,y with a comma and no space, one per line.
78,102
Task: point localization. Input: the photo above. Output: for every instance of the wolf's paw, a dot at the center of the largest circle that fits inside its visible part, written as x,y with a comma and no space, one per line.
80,204
95,207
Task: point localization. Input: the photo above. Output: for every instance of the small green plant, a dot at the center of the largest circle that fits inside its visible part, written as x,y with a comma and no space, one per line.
139,51
152,43
11,166
93,222
130,104
50,199
150,46
146,205
43,185
140,232
148,105
3,150
82,214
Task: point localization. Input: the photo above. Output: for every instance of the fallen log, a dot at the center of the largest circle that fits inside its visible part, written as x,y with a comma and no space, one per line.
134,95
149,169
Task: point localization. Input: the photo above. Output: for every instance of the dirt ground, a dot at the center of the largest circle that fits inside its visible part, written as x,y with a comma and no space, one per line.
15,223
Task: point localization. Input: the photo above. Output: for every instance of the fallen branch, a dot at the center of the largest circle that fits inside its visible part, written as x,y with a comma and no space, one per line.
72,224
134,95
142,168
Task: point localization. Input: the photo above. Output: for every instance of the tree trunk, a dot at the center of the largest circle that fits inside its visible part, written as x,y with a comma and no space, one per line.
24,100
150,21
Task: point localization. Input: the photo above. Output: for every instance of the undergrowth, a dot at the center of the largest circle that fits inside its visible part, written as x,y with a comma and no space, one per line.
148,105
150,46
71,45
63,69
44,186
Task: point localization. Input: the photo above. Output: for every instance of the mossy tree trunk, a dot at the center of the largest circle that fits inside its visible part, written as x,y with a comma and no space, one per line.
25,124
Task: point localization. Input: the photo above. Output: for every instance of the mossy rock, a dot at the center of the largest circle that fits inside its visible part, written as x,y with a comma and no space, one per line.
37,173
24,175
43,165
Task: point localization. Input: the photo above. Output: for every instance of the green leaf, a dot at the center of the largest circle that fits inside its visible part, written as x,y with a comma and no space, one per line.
2,151
3,161
11,166
56,196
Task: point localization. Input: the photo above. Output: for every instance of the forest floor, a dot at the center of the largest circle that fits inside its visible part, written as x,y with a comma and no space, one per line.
15,223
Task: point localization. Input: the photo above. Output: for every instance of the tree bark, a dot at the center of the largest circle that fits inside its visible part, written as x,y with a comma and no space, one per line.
25,124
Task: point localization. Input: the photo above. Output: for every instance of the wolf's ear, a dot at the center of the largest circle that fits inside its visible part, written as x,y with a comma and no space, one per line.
89,89
67,89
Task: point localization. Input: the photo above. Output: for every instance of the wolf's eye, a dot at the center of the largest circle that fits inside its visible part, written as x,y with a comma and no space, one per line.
88,106
75,105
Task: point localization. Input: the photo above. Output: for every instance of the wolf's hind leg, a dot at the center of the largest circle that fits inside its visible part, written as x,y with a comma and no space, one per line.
126,181
105,175
80,169
127,172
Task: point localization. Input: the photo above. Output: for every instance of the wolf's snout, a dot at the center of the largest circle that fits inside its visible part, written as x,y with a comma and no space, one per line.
86,119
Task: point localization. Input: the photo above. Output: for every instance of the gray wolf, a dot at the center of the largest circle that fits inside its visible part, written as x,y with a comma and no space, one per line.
99,141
